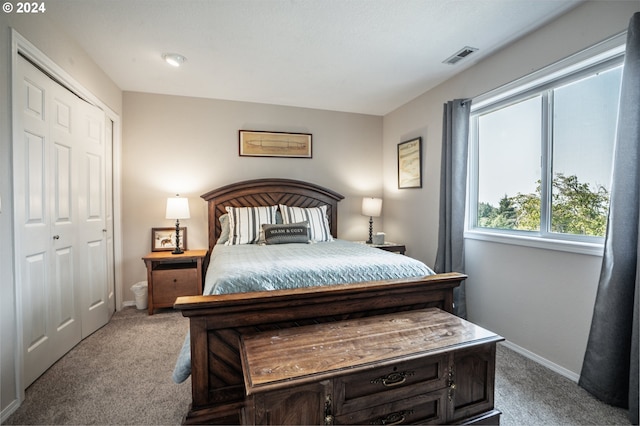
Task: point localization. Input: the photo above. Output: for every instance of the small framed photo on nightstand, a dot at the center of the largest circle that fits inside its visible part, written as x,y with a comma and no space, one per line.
164,239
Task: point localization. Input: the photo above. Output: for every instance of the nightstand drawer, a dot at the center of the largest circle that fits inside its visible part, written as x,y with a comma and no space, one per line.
171,283
397,381
422,409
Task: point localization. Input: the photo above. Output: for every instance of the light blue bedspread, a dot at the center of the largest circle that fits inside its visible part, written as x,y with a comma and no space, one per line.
252,267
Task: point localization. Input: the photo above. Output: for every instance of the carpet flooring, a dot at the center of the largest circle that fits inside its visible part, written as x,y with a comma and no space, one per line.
121,375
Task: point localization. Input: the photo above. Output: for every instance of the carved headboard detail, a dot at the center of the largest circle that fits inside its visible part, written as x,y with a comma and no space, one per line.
268,192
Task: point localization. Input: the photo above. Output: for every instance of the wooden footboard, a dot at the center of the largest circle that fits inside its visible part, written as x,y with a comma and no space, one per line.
216,322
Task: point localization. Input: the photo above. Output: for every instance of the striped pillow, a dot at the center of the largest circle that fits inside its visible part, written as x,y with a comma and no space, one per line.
316,217
245,223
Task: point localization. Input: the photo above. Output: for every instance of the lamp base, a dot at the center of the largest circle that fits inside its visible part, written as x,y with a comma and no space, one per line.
370,240
178,249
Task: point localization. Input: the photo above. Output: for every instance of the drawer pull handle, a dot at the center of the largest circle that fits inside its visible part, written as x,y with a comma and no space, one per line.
396,418
451,384
393,379
328,417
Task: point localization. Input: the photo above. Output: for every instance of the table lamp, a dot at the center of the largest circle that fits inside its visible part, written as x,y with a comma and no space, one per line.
371,207
177,208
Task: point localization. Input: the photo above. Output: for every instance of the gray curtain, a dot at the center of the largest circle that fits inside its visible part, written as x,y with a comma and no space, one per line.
453,193
610,368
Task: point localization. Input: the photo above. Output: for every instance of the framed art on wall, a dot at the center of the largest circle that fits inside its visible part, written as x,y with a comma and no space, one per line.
410,163
274,144
164,239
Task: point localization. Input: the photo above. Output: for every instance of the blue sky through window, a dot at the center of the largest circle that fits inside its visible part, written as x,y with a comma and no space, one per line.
585,112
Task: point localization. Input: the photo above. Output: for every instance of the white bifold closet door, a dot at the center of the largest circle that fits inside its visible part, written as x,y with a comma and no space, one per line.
61,221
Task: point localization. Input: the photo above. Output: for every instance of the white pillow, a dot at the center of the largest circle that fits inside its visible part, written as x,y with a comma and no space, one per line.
245,223
224,229
319,229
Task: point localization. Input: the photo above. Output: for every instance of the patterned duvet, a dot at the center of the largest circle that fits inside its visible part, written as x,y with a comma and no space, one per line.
252,267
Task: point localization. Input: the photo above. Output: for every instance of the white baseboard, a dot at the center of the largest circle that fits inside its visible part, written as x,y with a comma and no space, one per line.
543,361
128,303
9,410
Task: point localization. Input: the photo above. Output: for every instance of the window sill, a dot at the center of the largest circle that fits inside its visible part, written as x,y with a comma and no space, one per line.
578,247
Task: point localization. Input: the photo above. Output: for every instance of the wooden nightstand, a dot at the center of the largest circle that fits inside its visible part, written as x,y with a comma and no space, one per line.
172,275
394,247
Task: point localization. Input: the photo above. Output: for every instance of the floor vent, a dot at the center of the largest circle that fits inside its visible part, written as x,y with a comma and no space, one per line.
460,55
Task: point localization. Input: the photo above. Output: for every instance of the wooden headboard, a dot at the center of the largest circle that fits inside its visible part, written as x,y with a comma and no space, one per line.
268,192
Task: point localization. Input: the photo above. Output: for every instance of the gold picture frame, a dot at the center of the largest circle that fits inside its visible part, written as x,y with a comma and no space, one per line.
164,239
253,143
410,163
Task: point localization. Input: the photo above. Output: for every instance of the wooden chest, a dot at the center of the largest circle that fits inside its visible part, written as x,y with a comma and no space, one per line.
424,366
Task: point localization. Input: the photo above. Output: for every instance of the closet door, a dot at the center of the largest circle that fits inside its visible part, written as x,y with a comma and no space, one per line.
111,272
60,221
46,213
92,221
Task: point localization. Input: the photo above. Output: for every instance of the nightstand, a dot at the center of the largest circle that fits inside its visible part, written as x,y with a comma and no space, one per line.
394,247
172,275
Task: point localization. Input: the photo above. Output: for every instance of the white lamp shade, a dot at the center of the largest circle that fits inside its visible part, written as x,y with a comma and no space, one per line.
371,206
177,208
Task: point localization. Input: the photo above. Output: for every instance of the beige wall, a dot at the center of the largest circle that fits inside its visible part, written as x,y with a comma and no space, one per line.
541,300
75,62
189,146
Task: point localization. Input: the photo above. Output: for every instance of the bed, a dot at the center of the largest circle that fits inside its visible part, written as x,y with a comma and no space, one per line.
217,320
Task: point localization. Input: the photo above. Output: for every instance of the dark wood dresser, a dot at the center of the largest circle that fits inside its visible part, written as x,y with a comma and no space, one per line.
425,366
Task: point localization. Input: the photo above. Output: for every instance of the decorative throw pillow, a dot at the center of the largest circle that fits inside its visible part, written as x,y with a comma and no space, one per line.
224,229
245,223
285,234
316,217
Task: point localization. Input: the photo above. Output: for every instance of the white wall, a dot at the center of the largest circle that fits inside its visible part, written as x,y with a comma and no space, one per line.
189,146
540,300
66,54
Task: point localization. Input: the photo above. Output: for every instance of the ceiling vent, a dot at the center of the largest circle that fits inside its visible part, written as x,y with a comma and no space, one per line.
460,55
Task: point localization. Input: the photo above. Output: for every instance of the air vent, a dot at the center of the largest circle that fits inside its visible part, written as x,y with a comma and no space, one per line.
460,55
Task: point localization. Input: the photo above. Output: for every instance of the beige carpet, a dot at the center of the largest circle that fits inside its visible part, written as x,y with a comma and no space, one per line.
122,375
529,394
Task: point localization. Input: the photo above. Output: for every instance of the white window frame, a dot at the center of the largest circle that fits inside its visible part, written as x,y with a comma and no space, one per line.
605,55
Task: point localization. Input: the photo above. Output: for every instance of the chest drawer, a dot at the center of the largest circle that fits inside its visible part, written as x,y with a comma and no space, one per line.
396,381
168,284
422,409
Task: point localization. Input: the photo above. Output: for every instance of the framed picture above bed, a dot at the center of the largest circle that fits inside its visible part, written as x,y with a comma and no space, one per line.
164,239
274,144
410,163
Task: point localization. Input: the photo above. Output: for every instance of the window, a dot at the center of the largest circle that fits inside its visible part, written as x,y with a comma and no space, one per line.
541,156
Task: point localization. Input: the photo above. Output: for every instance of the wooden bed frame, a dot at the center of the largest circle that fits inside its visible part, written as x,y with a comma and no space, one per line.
216,322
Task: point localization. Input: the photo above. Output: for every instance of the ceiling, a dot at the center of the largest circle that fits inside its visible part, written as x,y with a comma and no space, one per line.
363,56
